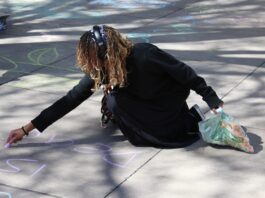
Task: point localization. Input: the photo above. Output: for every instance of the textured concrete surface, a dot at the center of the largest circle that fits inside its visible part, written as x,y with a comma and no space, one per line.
222,40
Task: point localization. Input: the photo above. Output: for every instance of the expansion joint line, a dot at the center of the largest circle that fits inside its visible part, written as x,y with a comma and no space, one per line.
140,167
245,78
28,190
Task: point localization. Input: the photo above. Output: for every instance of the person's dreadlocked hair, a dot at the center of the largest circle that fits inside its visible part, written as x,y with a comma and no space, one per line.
113,66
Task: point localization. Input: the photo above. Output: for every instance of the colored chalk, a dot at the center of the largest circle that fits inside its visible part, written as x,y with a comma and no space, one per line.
7,145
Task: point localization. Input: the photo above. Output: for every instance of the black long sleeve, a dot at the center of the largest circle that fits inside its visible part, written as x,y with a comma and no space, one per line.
64,105
184,75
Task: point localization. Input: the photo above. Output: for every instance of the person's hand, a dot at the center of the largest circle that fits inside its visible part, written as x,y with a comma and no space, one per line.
220,106
15,136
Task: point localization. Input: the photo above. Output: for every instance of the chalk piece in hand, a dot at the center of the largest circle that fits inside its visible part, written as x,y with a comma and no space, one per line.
7,145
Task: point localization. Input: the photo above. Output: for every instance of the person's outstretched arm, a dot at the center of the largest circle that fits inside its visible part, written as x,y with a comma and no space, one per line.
61,107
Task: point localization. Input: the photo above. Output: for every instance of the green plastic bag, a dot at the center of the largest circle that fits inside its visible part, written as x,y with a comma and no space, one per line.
222,129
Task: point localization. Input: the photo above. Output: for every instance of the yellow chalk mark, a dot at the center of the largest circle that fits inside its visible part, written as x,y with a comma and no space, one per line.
31,56
36,55
10,61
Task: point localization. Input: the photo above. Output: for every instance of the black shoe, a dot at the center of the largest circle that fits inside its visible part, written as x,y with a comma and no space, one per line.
197,113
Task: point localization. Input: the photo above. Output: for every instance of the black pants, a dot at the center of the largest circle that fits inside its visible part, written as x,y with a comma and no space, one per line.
186,124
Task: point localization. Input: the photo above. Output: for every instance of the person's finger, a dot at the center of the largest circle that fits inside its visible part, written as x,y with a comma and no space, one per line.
13,140
7,145
10,137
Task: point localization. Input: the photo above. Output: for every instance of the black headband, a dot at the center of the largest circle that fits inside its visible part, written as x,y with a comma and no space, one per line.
98,36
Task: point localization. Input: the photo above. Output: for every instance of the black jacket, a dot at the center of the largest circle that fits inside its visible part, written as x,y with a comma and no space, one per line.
158,86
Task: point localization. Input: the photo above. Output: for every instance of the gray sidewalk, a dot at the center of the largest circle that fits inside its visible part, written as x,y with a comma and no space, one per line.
76,158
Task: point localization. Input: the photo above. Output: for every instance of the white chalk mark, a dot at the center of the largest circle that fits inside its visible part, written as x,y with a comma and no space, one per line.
121,165
50,139
104,146
98,148
38,170
143,36
15,168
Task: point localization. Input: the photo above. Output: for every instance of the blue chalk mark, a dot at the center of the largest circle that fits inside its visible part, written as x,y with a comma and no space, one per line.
189,17
132,4
182,27
175,29
96,14
142,36
5,193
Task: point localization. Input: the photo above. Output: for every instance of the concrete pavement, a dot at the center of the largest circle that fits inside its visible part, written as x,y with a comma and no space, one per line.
222,40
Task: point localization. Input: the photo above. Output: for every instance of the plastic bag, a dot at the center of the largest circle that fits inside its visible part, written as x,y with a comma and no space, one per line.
222,129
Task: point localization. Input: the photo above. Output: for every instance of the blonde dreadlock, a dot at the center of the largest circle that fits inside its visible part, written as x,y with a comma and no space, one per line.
113,66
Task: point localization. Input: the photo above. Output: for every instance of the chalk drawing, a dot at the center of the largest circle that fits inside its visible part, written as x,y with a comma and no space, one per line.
106,154
145,37
108,158
7,195
189,18
98,148
36,58
38,170
182,27
16,168
10,62
175,29
131,4
203,8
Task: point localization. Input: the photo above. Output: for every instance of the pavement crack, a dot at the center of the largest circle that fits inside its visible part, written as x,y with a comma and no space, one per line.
28,190
245,78
133,173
